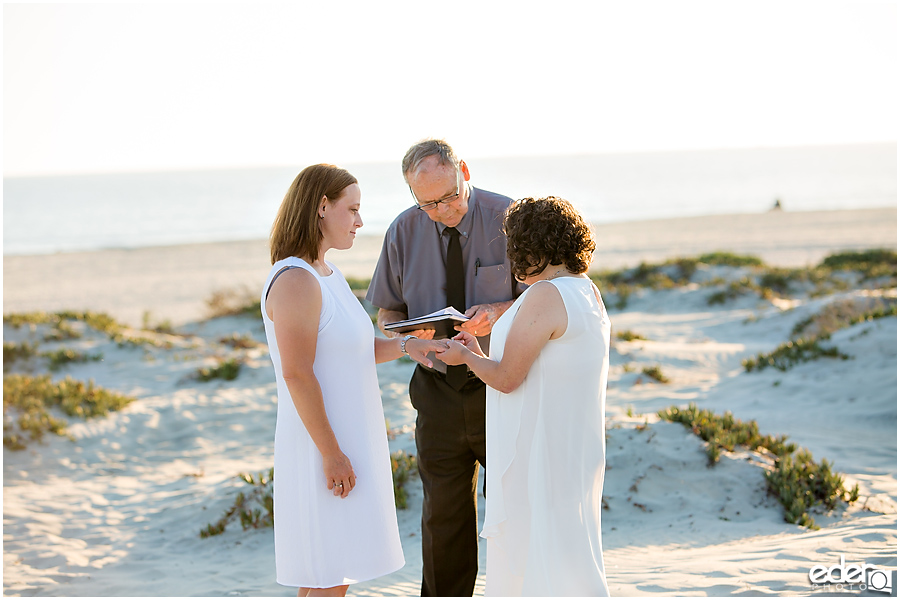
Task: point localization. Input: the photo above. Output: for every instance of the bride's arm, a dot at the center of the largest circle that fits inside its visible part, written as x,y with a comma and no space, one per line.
540,318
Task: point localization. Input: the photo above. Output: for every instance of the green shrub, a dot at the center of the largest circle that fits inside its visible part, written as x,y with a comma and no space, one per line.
842,314
686,268
655,373
800,484
26,401
872,263
628,336
729,259
126,339
62,331
356,283
733,290
227,369
769,282
254,510
725,431
100,321
796,480
233,302
239,342
63,356
13,352
403,465
623,283
161,327
668,274
791,353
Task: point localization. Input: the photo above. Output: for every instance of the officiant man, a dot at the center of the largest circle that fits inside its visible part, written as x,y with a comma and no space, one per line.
448,249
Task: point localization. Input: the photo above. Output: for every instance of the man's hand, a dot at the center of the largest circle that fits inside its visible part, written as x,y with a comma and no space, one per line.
482,318
392,316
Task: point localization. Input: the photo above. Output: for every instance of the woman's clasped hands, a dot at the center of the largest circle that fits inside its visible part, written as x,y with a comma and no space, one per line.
418,349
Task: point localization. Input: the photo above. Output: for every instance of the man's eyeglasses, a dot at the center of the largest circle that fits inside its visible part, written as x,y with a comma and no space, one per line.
444,200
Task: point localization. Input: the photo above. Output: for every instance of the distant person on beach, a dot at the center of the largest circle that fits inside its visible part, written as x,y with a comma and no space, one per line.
335,521
448,249
546,401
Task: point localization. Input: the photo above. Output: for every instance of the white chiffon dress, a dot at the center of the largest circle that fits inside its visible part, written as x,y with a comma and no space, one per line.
546,452
322,540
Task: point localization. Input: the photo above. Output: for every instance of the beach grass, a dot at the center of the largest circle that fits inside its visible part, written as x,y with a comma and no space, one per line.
655,373
874,263
254,509
16,351
234,301
29,403
62,331
669,274
844,313
164,326
796,480
808,334
837,271
793,352
60,324
56,359
100,321
629,336
403,465
801,484
226,368
238,342
360,284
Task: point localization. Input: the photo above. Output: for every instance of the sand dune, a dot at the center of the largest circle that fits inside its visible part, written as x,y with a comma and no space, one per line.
117,511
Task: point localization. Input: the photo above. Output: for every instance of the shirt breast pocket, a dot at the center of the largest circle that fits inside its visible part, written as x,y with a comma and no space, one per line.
492,284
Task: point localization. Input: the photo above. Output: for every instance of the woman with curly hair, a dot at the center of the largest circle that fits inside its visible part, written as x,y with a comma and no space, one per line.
545,411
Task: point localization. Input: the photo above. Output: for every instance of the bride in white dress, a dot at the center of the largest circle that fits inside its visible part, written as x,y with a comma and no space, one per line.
335,521
546,401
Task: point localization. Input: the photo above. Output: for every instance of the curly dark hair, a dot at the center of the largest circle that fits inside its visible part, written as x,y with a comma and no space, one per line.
547,231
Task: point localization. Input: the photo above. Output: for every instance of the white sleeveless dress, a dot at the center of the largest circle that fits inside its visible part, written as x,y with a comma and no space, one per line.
546,453
322,540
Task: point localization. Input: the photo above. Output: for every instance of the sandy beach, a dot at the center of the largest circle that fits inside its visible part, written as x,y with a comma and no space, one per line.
117,510
173,282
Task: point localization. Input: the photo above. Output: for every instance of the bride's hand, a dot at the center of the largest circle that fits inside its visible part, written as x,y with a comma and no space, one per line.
469,341
418,349
455,353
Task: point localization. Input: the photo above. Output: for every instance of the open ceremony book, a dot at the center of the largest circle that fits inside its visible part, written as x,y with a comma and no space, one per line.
442,321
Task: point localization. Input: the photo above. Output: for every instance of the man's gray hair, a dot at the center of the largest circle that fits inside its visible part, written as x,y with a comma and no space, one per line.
422,150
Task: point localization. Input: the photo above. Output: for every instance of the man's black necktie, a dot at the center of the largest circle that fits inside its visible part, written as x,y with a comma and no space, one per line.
456,297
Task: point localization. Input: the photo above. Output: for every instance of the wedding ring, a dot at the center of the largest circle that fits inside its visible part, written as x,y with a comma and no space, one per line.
340,484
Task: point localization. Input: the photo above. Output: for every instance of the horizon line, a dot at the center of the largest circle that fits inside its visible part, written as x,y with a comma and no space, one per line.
207,168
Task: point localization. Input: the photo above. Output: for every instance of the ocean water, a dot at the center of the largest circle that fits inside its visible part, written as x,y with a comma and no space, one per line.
87,212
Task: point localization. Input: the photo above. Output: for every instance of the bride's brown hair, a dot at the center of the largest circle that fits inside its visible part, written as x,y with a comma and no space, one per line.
547,231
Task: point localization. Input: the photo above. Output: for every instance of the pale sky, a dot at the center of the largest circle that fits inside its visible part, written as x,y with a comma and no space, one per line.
138,87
